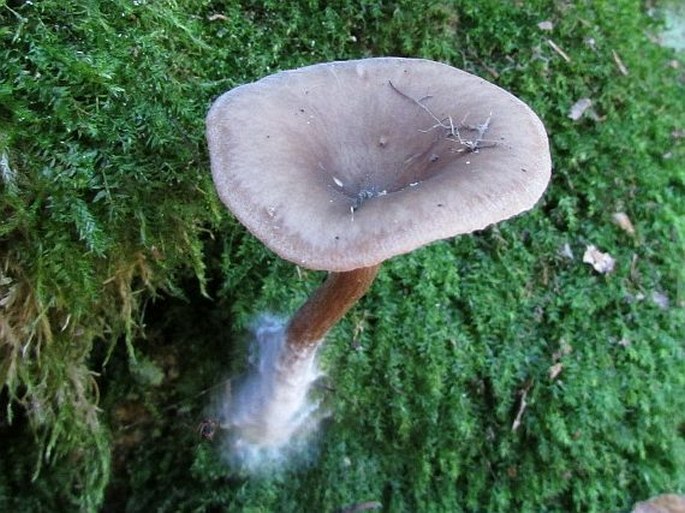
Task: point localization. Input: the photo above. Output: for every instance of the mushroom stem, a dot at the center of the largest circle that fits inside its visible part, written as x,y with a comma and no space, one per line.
327,306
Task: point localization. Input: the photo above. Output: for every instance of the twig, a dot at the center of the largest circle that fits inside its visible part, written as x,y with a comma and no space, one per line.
417,102
447,124
621,67
522,406
558,50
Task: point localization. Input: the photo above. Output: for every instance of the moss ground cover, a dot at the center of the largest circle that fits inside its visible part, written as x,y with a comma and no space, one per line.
495,372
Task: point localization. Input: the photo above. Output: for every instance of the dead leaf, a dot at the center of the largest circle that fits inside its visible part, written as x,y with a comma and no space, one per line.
661,300
564,349
624,342
603,263
579,108
623,221
215,17
362,506
634,271
555,370
566,251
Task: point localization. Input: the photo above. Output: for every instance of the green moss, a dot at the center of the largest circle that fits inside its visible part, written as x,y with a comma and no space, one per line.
126,290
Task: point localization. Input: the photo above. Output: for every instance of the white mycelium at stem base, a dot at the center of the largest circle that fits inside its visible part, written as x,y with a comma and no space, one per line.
271,406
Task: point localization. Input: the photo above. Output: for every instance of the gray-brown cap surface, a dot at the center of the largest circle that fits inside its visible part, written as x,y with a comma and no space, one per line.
342,165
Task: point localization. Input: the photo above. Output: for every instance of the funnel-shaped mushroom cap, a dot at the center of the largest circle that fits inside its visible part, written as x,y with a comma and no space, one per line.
342,165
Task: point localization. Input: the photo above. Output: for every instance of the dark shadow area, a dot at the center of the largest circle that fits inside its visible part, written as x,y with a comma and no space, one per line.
156,404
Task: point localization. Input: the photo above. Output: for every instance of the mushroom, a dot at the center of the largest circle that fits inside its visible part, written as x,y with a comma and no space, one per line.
340,166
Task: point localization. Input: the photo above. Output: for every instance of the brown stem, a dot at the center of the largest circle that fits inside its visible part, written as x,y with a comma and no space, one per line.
327,306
